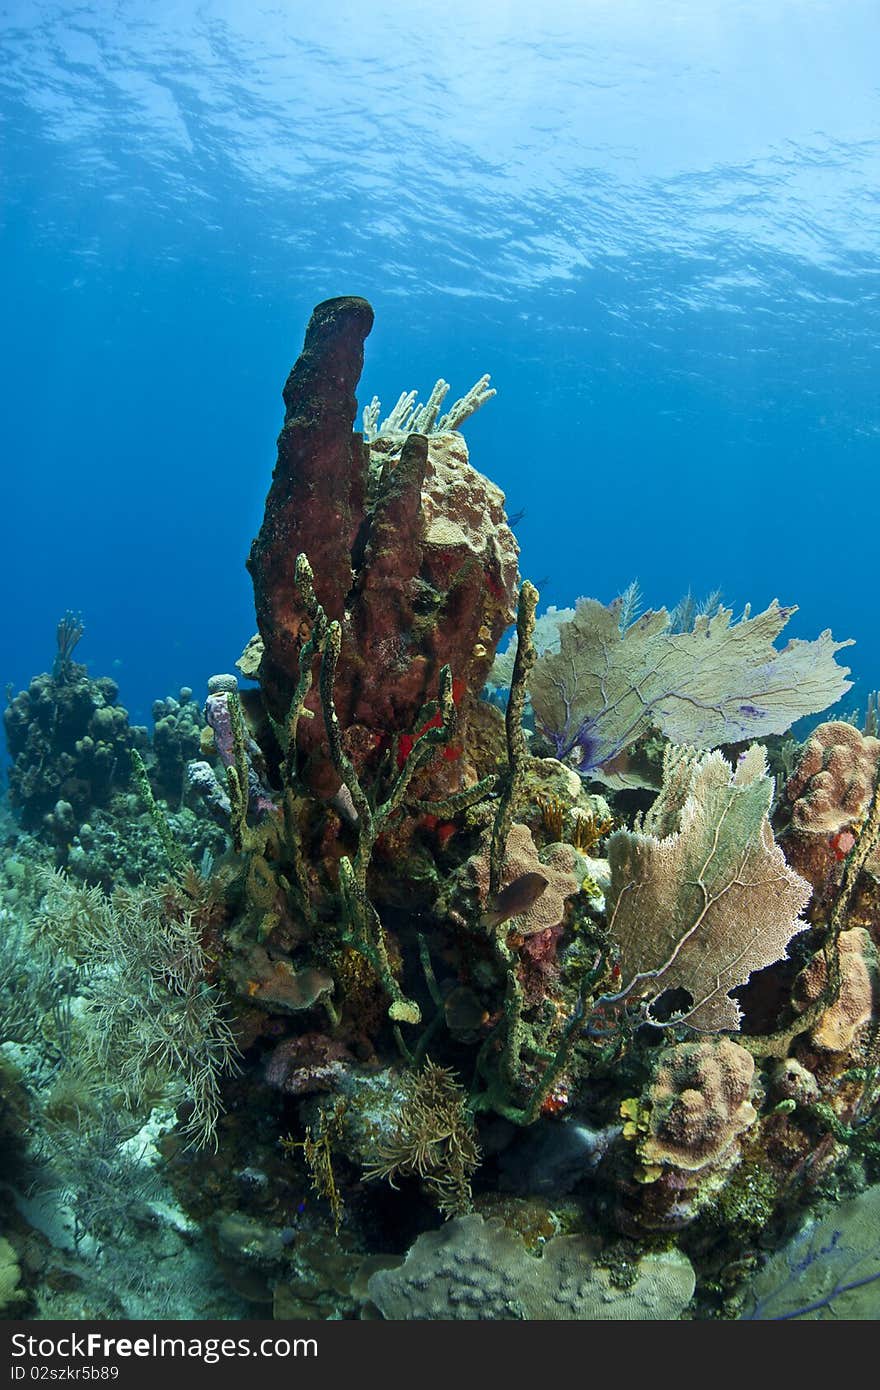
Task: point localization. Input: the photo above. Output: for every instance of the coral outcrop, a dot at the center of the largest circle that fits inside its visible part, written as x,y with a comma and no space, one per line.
474,1269
410,551
176,735
411,967
687,1127
828,795
70,743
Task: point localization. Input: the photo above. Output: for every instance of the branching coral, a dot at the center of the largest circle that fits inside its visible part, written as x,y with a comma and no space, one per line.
408,417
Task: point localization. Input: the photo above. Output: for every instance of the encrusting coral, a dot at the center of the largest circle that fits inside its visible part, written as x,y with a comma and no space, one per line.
555,864
475,1269
853,1007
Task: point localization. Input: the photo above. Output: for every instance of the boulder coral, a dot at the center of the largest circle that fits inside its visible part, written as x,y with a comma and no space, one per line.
828,794
687,1127
474,1269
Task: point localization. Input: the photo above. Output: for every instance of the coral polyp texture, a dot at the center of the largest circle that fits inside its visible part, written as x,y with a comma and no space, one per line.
352,984
687,1126
828,795
476,1269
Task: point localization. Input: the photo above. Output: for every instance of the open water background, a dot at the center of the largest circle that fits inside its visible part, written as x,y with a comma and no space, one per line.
656,226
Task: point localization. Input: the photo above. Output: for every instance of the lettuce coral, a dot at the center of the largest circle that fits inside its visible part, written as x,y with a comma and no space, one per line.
720,683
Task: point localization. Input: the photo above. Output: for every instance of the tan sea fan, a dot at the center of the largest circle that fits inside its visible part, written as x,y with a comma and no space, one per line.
701,895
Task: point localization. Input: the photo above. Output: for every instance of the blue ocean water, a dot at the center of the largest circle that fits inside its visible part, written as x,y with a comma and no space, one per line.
655,226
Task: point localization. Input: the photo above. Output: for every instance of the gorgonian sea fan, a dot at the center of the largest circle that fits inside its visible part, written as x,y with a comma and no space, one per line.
722,682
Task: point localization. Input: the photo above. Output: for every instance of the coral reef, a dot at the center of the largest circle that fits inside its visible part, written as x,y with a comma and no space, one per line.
344,954
69,741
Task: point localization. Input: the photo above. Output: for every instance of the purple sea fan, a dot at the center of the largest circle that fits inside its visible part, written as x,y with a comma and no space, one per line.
722,682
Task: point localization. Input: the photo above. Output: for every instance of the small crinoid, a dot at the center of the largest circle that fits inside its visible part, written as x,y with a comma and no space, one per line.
431,1136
